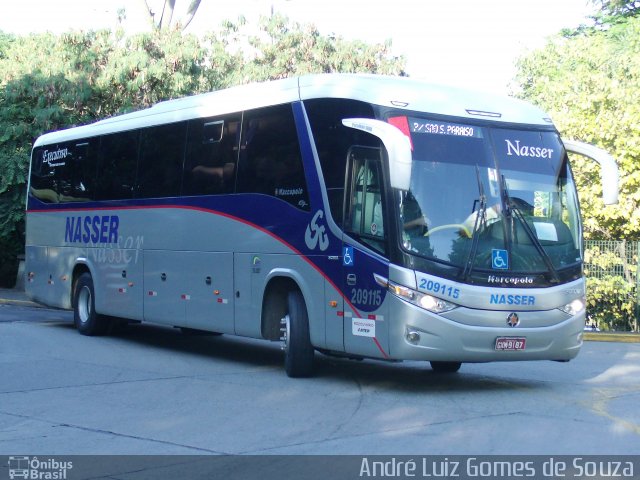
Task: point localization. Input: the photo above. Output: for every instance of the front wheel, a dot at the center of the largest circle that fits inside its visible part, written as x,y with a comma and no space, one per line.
445,367
85,317
298,351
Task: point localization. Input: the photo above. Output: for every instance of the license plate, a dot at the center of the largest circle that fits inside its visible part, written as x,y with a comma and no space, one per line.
510,344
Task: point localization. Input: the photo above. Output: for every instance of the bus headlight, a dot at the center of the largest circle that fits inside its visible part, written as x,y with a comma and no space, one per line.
422,300
575,307
435,305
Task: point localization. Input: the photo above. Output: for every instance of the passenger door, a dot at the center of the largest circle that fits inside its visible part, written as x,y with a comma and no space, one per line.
364,250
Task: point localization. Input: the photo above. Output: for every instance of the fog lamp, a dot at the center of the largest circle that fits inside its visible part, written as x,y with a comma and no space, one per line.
413,337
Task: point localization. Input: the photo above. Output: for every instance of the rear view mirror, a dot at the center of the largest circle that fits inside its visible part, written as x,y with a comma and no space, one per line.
395,142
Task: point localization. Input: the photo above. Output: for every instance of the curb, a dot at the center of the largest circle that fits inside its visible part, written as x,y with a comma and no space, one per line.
18,297
20,303
612,337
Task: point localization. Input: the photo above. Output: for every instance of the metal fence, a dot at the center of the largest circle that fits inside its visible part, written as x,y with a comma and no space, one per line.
613,284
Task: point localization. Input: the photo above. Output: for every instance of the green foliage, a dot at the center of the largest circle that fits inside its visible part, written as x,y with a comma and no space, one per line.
589,81
164,18
283,49
612,11
590,84
49,82
611,303
612,284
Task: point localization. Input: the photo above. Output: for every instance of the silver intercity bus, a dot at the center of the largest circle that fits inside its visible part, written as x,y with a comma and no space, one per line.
356,215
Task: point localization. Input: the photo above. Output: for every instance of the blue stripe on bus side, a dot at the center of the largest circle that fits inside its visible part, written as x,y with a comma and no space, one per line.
251,220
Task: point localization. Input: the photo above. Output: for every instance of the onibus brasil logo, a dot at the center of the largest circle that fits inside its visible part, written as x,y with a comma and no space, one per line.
38,469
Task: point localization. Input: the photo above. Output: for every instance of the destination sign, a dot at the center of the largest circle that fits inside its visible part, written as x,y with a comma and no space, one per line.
418,125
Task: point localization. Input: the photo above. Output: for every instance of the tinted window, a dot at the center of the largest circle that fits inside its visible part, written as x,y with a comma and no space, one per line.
161,156
212,155
64,172
333,141
117,166
42,177
270,159
365,211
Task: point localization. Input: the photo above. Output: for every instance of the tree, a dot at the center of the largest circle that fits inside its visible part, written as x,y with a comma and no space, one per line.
166,14
49,82
40,92
283,48
589,81
590,84
615,9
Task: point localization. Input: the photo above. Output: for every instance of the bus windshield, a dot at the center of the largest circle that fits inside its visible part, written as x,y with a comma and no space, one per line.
485,198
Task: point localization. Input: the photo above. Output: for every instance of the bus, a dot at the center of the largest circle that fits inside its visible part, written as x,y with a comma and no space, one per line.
361,216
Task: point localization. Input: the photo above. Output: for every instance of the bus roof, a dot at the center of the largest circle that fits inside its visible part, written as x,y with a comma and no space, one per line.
397,92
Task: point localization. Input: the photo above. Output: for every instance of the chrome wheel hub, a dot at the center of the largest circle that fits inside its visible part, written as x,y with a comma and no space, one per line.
84,304
285,325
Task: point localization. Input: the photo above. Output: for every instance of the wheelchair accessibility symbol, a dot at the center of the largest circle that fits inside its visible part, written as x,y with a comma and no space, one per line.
347,256
499,259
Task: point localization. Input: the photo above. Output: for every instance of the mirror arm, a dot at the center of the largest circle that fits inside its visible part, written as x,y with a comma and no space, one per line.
609,176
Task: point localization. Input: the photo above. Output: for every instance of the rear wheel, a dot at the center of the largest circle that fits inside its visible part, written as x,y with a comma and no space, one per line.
85,317
445,367
298,351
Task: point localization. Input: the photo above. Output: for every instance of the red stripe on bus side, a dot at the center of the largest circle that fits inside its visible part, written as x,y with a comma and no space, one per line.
237,219
384,354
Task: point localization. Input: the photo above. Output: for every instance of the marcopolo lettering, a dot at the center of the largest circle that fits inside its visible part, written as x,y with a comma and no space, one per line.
510,280
288,192
527,151
92,229
502,299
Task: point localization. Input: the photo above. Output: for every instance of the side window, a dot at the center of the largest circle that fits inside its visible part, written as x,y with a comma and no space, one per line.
117,166
82,177
161,158
43,182
364,217
270,158
64,172
211,156
333,140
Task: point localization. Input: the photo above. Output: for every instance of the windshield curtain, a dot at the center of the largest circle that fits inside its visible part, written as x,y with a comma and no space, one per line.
484,198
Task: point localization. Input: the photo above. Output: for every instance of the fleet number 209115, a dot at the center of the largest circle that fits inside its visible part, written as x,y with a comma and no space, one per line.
441,288
362,296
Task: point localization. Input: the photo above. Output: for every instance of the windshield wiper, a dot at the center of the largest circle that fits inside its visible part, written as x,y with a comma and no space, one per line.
512,208
480,215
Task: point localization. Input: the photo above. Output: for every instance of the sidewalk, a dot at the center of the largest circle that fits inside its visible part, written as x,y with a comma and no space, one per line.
12,296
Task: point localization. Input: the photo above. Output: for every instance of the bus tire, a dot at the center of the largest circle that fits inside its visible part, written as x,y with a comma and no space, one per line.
298,351
445,367
85,317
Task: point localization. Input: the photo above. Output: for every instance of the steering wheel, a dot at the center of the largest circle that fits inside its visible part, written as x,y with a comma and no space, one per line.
463,229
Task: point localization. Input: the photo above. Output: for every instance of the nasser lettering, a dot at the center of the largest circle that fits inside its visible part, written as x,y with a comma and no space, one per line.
92,229
527,150
502,299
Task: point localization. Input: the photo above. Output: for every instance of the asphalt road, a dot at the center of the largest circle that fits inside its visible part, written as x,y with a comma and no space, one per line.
153,390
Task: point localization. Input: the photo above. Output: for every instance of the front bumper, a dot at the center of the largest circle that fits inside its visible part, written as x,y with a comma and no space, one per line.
556,336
